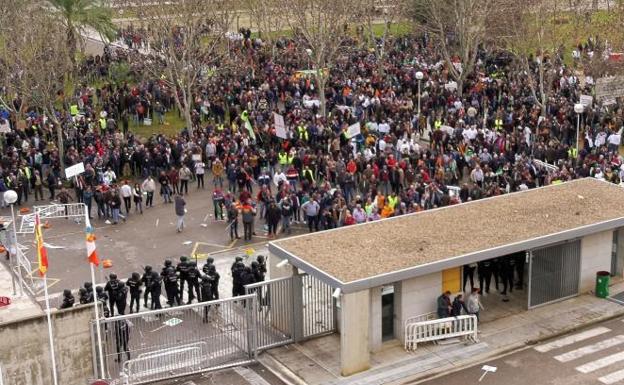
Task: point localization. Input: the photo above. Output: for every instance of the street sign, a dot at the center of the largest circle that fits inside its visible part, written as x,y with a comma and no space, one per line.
487,369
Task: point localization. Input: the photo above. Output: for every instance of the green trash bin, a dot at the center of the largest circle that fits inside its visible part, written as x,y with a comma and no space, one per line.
602,284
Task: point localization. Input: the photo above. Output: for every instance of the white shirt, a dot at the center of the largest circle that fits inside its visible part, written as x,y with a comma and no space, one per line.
614,139
384,127
199,168
125,191
279,177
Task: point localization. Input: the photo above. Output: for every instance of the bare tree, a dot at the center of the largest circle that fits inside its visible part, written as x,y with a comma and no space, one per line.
266,19
377,18
528,31
322,27
187,43
34,65
458,28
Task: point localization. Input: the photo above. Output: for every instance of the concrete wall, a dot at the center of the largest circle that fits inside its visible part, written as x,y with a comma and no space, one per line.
595,256
354,335
414,297
25,352
375,319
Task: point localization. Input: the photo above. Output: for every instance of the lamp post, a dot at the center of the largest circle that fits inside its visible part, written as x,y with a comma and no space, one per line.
419,77
10,197
579,109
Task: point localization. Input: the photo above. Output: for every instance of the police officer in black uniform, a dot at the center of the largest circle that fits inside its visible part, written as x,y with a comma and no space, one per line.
112,289
82,296
262,264
484,269
170,277
206,294
193,282
89,289
206,267
134,284
122,298
508,267
147,282
155,289
237,272
214,281
102,298
68,299
520,259
182,268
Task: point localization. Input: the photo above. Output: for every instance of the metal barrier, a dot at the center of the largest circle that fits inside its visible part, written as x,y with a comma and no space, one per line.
292,309
167,343
421,318
318,307
443,328
275,312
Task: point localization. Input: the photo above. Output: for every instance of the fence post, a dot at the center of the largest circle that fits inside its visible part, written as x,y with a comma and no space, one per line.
250,311
297,302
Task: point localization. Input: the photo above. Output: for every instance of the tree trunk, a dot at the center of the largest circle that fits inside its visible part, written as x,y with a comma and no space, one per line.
321,85
60,144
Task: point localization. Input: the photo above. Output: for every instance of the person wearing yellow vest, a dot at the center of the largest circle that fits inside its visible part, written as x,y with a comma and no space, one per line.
572,152
437,124
393,200
103,124
498,124
303,133
73,109
282,158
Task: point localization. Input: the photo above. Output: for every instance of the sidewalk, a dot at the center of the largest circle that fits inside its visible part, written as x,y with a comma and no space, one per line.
21,306
317,361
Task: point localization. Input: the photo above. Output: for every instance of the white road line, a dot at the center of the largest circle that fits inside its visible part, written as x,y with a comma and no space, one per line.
612,378
590,349
601,363
574,338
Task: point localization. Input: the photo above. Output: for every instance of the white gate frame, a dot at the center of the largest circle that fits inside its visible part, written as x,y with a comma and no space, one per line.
440,329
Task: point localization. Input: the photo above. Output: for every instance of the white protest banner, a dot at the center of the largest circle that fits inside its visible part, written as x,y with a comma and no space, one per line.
451,86
587,100
5,127
605,102
353,130
196,157
280,127
74,170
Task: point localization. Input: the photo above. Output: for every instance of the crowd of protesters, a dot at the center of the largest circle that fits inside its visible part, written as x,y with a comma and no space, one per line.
494,138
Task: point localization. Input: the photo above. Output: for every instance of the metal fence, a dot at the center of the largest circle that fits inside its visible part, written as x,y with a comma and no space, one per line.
554,273
275,312
292,309
162,344
319,316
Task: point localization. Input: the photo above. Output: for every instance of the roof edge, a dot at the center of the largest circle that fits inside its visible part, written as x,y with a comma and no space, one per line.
306,266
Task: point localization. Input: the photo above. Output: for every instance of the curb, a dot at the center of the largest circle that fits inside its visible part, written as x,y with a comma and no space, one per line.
505,351
280,370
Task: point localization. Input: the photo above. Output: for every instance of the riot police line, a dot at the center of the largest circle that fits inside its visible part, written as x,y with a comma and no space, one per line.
201,285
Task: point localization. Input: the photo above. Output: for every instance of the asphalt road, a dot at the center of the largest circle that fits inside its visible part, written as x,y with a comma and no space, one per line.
592,356
146,239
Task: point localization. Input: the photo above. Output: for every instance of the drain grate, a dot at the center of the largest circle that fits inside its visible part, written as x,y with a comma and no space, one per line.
619,298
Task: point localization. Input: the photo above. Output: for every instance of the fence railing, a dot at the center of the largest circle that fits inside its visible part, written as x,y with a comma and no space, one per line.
168,343
421,318
440,329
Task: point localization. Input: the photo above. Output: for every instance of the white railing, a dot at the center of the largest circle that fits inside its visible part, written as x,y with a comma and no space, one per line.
440,329
421,318
165,361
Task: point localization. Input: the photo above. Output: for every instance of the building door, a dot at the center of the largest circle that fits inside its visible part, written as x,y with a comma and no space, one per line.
554,273
387,313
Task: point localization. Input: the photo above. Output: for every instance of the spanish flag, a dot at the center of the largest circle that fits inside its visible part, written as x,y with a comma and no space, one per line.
91,251
42,253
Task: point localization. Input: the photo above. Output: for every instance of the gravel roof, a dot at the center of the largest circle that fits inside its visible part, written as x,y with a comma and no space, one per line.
367,250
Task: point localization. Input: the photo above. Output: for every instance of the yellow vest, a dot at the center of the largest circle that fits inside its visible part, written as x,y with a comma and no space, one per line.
438,124
103,123
303,133
572,152
392,202
283,158
73,109
498,123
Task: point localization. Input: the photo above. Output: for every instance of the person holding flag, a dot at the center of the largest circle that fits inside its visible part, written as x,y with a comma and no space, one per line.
247,123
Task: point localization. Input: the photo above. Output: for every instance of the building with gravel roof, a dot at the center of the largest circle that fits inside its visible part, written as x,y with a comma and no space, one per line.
555,239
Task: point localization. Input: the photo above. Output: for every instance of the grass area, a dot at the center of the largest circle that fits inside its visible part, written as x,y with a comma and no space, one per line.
173,125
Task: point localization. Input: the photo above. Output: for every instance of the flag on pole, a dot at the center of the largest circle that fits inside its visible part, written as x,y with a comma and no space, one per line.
245,119
91,251
42,253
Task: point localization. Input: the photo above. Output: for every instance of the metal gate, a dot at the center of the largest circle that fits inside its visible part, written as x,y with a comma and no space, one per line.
292,309
162,344
554,273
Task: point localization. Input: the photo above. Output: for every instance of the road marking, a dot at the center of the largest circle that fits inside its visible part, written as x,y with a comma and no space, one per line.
574,338
612,378
589,349
601,363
